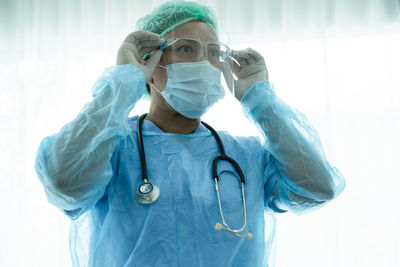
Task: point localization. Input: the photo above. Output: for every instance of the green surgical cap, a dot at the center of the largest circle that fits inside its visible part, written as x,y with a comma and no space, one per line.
171,14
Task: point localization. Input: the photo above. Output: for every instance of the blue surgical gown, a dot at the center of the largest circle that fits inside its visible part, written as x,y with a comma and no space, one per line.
91,170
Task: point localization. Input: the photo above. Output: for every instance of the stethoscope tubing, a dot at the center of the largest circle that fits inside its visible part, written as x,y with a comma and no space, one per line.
147,199
141,149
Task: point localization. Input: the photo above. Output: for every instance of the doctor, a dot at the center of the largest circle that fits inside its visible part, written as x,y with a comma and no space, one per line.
148,192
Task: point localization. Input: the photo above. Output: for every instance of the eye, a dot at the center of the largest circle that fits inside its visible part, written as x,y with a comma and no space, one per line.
185,49
213,53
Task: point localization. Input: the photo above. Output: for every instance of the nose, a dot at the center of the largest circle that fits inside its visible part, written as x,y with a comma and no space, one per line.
203,54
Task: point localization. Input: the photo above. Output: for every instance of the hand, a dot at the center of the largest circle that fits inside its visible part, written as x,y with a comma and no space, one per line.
251,69
135,46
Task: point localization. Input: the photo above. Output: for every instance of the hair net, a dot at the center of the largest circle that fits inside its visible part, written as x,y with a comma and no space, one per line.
172,14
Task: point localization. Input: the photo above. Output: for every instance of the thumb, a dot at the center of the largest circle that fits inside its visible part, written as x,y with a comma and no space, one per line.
154,59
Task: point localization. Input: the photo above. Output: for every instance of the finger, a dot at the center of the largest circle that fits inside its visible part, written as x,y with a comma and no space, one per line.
242,61
254,54
154,59
147,50
127,54
143,43
152,45
242,57
143,39
141,36
245,72
130,47
248,56
240,54
251,60
136,50
148,46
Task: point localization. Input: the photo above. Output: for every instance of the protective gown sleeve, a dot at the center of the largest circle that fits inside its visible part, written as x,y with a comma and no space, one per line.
74,164
299,178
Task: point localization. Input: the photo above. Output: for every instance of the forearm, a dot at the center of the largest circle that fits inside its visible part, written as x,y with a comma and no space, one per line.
74,164
300,156
293,143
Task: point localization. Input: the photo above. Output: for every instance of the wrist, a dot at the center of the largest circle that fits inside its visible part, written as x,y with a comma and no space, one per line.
259,96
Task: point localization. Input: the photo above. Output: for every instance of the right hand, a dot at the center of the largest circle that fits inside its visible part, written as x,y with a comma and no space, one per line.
135,46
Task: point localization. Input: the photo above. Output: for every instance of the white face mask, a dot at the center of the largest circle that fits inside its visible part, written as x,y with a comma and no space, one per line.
192,87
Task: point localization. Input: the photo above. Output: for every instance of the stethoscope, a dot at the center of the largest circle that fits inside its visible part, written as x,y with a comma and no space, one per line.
147,193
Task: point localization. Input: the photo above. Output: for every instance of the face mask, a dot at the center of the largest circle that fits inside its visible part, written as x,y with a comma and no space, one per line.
192,87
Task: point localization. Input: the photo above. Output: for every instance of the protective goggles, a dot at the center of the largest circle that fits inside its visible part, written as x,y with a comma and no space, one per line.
189,49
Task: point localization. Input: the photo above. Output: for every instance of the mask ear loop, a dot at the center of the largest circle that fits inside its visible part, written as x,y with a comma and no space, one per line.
158,90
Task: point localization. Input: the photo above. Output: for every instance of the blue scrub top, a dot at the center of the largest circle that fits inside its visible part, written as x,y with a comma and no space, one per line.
110,228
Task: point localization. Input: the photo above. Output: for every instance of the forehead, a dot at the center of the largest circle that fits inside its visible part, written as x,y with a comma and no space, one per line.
194,29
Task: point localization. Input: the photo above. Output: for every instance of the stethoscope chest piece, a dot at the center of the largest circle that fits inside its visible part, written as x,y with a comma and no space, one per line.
147,193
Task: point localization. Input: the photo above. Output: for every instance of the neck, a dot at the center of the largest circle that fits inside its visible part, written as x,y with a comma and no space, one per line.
169,121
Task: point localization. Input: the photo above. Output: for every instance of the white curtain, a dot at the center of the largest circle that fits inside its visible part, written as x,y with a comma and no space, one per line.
335,60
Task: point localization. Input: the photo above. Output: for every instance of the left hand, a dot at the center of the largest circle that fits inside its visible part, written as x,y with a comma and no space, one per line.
252,69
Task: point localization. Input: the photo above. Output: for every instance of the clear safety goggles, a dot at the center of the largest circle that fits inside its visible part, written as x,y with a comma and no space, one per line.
188,49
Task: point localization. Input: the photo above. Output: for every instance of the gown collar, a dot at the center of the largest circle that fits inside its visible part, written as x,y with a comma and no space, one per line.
151,127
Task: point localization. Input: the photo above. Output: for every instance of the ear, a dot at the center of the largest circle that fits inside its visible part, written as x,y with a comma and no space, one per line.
148,87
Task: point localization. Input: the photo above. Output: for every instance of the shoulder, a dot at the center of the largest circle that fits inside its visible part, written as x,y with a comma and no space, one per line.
242,144
128,142
132,122
249,140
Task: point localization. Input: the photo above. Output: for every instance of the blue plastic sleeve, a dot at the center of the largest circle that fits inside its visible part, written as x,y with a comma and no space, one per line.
74,164
302,179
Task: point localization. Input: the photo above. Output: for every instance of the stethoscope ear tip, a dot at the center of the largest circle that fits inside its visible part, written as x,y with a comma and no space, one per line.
219,227
249,236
